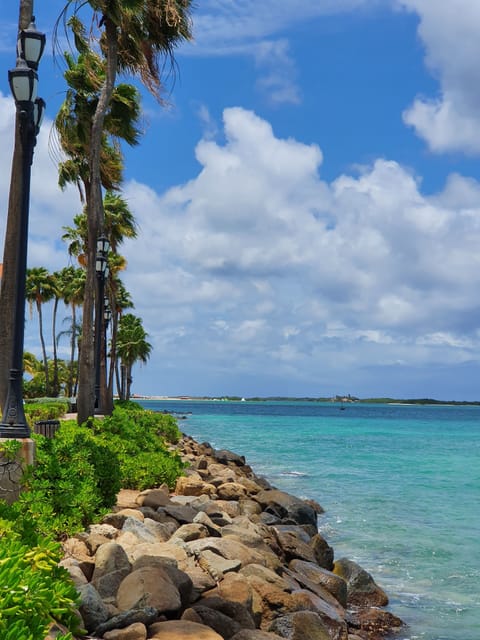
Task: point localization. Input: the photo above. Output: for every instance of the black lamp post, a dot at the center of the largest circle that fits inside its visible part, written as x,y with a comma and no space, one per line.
101,267
23,82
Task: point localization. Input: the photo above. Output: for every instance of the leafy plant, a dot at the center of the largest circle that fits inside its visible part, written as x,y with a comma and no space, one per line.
140,439
75,480
34,590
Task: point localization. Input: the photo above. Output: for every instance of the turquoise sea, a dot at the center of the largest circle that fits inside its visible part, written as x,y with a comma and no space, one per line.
400,486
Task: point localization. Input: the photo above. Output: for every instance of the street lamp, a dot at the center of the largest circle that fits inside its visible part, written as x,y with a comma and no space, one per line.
101,267
23,82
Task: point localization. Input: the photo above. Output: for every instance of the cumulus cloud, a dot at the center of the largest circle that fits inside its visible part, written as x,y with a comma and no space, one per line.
270,267
259,269
449,31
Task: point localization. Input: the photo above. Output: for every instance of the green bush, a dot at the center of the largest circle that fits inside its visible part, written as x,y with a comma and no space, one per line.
47,410
139,439
34,590
75,480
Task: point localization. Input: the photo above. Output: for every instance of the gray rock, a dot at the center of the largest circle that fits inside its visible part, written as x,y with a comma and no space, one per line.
146,616
92,608
285,506
224,456
184,514
218,621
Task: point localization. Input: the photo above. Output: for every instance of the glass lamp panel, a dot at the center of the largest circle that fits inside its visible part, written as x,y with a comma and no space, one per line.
23,83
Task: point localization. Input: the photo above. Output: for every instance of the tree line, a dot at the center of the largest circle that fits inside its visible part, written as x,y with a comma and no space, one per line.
109,39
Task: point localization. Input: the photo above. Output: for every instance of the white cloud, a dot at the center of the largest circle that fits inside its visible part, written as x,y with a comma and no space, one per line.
269,267
258,267
449,122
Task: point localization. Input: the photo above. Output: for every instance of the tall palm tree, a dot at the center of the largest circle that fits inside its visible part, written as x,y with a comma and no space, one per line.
57,296
135,36
40,288
132,347
12,232
73,290
120,301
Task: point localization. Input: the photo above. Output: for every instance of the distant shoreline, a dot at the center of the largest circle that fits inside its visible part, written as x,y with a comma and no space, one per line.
342,400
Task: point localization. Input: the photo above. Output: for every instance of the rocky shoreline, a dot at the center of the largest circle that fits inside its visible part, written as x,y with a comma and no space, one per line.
225,556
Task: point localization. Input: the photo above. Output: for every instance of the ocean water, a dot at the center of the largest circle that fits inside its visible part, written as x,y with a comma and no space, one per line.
400,486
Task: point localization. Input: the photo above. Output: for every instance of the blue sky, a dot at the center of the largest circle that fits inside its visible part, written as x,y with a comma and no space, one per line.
308,204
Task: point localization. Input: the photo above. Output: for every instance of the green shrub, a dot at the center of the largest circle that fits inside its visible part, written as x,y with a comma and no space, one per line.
34,590
47,410
139,439
75,480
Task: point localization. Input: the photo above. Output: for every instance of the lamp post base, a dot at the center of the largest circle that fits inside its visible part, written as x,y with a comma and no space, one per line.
14,423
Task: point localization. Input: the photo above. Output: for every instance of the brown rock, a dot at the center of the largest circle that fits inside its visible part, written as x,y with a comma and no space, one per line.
376,622
362,590
135,631
249,507
312,573
187,486
192,531
78,550
182,630
117,519
231,491
149,586
154,498
111,567
263,574
323,552
162,549
127,498
294,548
302,625
255,634
232,549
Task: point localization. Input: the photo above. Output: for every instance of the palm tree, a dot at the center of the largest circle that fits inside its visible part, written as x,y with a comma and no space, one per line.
57,296
73,291
119,302
135,35
40,288
132,347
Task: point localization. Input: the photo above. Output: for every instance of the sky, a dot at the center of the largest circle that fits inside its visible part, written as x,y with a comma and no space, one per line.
308,200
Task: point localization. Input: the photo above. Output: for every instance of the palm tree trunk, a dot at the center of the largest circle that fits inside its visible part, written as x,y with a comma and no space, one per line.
95,214
129,381
44,351
8,287
73,338
55,385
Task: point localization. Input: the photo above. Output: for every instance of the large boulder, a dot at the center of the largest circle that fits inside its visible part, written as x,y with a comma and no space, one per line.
286,507
111,567
308,574
362,590
149,586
